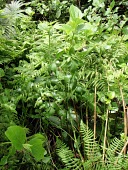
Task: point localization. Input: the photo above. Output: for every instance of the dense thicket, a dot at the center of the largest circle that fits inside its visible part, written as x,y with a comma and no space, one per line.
63,82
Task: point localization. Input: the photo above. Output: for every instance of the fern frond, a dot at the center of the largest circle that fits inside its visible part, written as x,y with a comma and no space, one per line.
114,156
91,147
13,9
9,15
115,147
67,157
115,160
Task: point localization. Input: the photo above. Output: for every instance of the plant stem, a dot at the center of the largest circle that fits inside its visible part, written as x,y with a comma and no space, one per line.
124,147
105,135
87,116
5,143
95,113
125,116
76,143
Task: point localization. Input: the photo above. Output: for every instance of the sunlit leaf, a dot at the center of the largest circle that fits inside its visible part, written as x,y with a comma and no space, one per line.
75,13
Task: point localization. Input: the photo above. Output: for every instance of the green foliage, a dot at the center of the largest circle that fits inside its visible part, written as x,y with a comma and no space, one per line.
36,147
50,10
48,76
1,72
92,159
2,3
8,17
17,136
67,157
91,148
31,147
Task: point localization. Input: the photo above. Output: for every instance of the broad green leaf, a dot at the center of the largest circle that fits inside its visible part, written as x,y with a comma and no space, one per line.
40,136
1,72
51,112
111,94
17,136
88,28
72,25
75,13
75,23
80,27
67,28
73,66
112,4
107,47
102,99
37,148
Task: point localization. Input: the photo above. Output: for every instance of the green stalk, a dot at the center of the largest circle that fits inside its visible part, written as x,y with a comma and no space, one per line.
86,115
5,143
76,143
95,113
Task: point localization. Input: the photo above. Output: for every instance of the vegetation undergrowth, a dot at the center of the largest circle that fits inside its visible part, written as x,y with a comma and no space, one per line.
56,75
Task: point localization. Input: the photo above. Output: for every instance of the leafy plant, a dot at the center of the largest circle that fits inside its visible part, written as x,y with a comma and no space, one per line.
92,155
53,75
30,147
50,10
